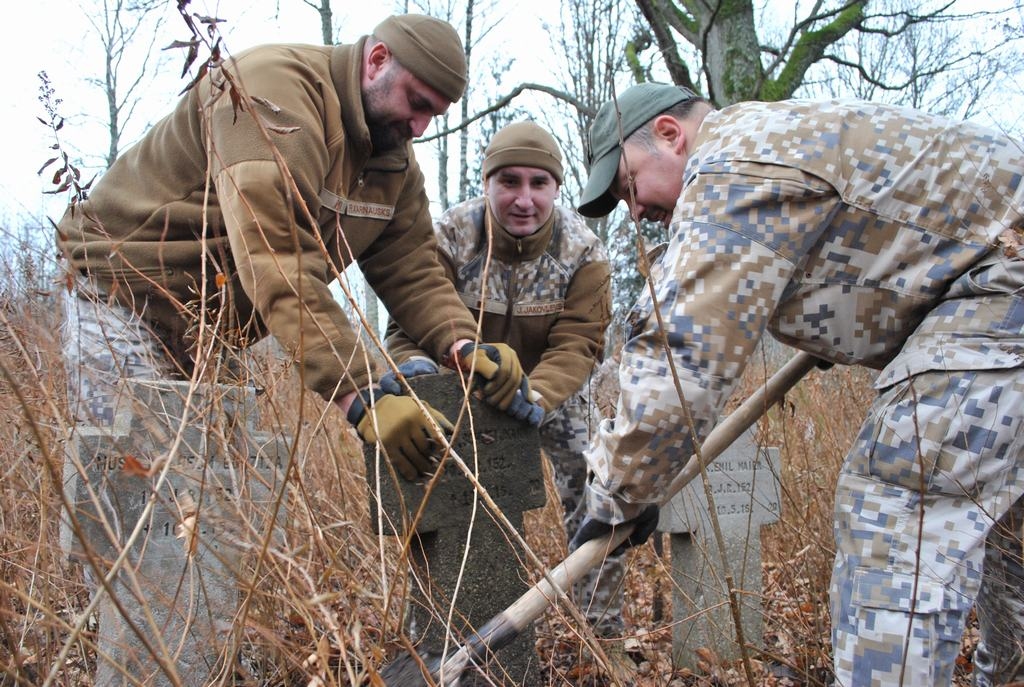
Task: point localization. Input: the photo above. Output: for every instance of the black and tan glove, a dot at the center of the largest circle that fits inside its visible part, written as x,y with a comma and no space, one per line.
400,427
524,409
413,367
644,526
499,367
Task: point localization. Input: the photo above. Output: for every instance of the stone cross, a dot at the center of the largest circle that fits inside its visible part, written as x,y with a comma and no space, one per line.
745,491
175,598
459,553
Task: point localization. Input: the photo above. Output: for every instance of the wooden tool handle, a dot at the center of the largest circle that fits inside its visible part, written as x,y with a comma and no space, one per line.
503,628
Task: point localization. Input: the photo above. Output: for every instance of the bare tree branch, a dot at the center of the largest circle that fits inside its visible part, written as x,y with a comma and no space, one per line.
506,100
655,13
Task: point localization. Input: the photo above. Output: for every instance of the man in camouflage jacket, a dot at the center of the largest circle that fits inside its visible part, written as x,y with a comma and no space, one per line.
863,234
541,278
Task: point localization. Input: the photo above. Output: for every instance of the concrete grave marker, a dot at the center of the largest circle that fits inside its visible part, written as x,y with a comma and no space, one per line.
746,496
221,482
489,575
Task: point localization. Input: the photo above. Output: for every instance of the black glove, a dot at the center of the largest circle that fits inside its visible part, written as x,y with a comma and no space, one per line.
644,526
523,410
499,366
401,428
412,367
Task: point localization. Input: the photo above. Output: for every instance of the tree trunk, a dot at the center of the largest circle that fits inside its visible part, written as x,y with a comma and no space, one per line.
732,54
464,134
326,22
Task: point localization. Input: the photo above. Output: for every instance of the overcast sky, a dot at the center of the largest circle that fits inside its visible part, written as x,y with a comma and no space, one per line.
55,36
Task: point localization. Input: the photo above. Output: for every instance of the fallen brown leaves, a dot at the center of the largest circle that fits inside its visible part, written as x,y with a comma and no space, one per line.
1012,241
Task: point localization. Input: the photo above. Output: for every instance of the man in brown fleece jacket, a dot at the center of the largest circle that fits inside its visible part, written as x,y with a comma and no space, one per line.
231,217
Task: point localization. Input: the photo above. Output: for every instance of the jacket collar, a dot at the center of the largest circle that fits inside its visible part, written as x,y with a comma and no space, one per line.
509,248
346,72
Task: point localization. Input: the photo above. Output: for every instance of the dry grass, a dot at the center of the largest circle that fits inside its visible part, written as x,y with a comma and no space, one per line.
324,594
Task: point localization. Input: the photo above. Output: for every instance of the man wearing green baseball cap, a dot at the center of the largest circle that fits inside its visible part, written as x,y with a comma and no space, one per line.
862,234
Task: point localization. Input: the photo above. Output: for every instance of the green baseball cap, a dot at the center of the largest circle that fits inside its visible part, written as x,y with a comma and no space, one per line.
637,105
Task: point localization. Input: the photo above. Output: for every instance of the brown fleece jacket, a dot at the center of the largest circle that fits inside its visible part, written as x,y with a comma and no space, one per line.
212,214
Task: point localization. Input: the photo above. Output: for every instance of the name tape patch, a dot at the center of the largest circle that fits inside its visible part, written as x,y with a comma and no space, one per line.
355,208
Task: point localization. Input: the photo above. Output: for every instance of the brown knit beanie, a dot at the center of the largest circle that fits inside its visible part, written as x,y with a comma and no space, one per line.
523,144
429,48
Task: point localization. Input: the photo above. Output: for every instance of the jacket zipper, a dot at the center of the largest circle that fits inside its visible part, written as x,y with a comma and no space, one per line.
510,291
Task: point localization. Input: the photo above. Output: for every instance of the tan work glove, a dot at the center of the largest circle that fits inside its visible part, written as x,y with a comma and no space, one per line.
501,370
400,427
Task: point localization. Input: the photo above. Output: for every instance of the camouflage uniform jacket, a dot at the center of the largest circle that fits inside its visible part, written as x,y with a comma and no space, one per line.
547,295
269,217
843,228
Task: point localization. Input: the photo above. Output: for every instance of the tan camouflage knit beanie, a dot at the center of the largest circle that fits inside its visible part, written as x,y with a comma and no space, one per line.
429,48
523,144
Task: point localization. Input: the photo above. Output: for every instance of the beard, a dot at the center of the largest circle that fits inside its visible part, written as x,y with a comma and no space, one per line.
385,133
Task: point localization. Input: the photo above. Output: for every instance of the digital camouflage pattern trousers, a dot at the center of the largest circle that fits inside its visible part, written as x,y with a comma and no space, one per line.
564,435
102,344
928,524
